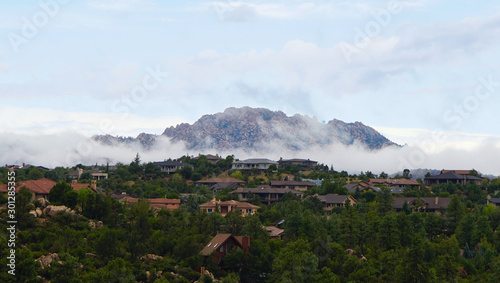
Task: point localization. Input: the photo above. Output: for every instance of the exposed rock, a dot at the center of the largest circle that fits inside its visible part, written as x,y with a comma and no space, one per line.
206,272
256,128
150,257
43,202
46,260
52,210
350,252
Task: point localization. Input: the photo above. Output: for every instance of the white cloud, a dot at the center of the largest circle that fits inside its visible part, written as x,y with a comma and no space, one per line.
70,148
4,67
116,5
50,121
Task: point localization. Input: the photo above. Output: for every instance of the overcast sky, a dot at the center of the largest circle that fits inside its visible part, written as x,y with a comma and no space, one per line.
409,69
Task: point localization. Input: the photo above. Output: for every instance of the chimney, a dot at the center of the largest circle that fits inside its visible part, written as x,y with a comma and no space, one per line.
436,200
245,242
93,184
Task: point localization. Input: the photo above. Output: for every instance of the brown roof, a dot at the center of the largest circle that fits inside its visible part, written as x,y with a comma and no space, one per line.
78,186
266,190
461,172
430,202
235,203
42,186
216,242
274,231
220,180
333,198
292,183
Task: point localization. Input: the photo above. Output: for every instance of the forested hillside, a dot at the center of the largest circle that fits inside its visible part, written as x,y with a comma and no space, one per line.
369,242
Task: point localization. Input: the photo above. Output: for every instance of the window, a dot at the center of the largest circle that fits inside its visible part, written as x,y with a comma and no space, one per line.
215,246
209,210
209,244
249,211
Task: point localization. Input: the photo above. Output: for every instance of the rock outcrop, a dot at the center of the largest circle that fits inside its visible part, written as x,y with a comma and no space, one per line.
255,128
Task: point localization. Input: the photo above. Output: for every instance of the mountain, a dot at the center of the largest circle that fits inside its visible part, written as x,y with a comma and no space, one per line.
254,128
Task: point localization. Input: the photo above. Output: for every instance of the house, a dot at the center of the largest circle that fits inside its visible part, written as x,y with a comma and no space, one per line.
305,164
157,203
217,184
39,188
275,232
222,244
362,186
292,185
94,174
452,177
494,201
333,200
396,183
211,158
461,172
266,194
77,186
229,205
170,166
254,163
423,204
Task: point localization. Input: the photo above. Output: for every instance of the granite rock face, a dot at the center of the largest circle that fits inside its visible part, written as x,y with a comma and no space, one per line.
254,128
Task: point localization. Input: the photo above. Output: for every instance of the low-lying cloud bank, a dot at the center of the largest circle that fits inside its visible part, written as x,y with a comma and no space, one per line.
70,148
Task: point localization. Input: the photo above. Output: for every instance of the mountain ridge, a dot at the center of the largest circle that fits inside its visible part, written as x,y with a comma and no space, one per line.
253,128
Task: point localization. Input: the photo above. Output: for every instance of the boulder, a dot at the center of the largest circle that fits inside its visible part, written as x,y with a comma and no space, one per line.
32,212
350,251
92,223
90,255
38,211
46,260
43,202
150,257
99,224
52,210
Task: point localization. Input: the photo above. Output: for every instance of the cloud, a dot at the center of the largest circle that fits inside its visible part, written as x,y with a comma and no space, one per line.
116,5
70,148
44,120
4,67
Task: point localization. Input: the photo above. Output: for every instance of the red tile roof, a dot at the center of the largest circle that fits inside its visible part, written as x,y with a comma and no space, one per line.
236,204
78,186
41,187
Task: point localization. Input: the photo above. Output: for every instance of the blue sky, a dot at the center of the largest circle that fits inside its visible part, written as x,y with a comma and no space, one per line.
415,66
